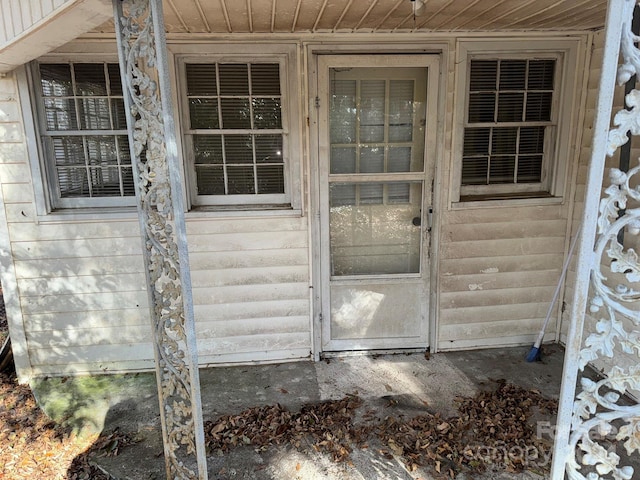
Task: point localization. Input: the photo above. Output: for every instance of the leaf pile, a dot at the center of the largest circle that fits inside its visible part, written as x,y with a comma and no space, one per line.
329,424
493,429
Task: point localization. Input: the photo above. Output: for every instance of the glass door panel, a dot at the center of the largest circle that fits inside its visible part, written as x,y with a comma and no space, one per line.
375,228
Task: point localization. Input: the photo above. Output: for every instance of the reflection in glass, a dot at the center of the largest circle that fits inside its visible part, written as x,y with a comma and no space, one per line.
372,110
234,101
376,125
372,230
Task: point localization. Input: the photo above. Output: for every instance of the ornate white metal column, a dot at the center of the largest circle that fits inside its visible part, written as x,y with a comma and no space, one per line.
145,77
593,421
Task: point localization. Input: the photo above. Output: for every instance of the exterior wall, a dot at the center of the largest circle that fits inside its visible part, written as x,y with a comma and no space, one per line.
250,281
82,288
30,28
500,261
15,179
18,15
498,271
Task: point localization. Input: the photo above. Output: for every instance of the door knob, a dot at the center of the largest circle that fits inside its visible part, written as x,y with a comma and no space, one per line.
417,221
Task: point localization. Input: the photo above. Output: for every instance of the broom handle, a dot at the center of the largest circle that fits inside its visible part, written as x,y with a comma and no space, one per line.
565,267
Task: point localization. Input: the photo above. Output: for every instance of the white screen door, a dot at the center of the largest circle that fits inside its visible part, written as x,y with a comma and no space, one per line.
377,119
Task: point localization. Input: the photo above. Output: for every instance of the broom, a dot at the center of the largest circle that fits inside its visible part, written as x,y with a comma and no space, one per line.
535,353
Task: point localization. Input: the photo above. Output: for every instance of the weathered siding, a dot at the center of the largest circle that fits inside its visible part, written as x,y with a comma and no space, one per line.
498,271
250,281
31,28
84,297
20,15
13,158
499,264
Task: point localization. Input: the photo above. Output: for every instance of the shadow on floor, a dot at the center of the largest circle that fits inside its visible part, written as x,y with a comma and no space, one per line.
125,409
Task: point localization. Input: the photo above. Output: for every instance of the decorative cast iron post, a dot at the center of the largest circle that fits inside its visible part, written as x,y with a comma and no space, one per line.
596,420
145,77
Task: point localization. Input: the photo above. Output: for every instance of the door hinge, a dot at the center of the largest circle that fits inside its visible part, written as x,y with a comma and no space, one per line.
317,102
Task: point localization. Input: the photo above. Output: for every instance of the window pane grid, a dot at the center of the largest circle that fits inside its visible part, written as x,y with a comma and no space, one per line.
85,127
494,148
235,113
508,116
374,119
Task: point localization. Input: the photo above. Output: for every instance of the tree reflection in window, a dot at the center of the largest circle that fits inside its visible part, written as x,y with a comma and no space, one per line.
85,130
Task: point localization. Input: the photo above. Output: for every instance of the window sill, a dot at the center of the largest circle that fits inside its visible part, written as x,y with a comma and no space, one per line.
222,211
501,201
88,215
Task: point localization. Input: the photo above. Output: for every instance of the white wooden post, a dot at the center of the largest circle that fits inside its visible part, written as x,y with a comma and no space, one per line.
585,419
147,91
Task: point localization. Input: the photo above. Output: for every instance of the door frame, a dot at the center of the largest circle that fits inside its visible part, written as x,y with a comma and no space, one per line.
436,98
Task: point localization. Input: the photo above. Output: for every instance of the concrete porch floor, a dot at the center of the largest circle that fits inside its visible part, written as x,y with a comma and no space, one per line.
399,385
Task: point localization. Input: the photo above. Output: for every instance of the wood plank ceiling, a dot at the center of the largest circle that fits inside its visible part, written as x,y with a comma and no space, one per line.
367,16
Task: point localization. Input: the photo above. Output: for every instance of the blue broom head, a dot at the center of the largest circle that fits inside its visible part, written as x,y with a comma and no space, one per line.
534,355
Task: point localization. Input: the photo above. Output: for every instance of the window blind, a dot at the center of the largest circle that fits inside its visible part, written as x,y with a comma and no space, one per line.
78,98
508,117
235,115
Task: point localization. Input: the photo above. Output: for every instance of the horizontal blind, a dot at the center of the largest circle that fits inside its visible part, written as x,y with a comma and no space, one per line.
509,114
78,98
235,116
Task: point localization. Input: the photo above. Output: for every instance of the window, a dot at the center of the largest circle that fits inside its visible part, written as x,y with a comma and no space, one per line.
235,129
516,118
84,134
508,115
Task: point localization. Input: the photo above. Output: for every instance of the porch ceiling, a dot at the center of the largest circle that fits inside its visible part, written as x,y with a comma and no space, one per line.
319,16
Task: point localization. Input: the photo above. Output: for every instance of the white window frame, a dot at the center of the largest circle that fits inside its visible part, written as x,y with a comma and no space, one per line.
285,56
53,199
558,141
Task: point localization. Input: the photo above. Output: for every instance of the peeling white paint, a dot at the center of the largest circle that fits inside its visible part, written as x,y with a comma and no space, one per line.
490,270
475,286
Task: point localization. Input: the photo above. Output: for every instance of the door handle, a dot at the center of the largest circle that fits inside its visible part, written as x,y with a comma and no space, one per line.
429,219
416,221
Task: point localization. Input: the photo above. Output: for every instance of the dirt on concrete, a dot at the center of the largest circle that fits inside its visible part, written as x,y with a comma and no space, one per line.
353,418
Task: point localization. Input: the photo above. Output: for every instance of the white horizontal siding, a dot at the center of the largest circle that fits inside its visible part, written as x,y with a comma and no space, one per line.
14,170
477,265
20,15
31,28
82,285
84,302
272,308
250,282
93,356
35,287
83,319
79,266
268,257
78,247
499,269
488,298
92,336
